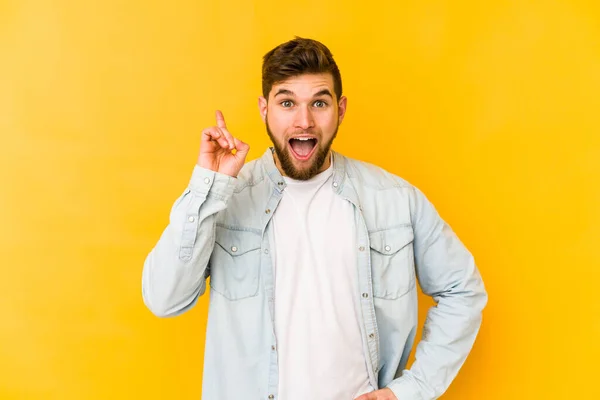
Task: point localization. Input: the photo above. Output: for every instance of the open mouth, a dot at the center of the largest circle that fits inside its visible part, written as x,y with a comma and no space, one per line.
303,147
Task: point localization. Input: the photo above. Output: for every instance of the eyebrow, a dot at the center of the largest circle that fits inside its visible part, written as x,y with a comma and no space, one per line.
284,91
323,92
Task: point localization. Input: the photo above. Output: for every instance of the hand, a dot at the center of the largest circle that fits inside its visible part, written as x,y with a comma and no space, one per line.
383,394
216,149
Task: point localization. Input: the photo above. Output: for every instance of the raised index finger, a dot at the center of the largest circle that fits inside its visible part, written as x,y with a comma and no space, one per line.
220,119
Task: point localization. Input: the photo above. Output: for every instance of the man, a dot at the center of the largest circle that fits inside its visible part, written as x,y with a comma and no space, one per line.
313,258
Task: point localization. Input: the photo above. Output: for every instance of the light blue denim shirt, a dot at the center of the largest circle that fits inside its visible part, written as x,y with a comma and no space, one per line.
220,227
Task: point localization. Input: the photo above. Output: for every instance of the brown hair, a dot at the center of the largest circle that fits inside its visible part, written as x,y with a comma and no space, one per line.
296,57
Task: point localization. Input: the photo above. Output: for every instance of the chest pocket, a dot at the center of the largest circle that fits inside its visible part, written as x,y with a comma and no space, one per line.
235,263
392,262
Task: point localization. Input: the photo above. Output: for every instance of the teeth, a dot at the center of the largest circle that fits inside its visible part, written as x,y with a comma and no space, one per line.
303,139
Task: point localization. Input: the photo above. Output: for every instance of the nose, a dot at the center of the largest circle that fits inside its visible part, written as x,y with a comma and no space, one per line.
304,118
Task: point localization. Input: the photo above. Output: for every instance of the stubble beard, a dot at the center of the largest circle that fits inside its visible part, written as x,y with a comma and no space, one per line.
286,160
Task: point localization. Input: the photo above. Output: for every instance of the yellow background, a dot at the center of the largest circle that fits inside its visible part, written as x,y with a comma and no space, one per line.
490,107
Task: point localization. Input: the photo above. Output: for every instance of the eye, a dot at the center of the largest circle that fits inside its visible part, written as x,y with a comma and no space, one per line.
286,103
320,104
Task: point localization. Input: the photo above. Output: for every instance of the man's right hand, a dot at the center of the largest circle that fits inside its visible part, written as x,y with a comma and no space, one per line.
216,149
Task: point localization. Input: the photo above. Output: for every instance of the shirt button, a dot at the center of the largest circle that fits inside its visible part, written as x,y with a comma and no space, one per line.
267,211
365,295
371,335
207,180
273,347
266,251
271,396
387,248
361,248
335,184
280,183
234,249
191,219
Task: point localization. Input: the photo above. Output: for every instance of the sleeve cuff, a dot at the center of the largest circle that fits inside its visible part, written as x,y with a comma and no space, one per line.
205,181
405,388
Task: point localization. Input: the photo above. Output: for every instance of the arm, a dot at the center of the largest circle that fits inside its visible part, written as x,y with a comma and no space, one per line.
175,271
447,272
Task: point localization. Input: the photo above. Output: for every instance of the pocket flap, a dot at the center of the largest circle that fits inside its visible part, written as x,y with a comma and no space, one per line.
390,241
237,242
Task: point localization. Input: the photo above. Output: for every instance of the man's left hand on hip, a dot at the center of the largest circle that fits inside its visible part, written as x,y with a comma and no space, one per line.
383,394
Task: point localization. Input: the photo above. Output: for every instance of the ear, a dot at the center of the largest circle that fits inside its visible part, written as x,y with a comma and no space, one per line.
262,108
342,104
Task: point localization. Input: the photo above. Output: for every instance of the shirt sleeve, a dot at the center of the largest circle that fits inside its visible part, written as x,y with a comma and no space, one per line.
175,270
447,272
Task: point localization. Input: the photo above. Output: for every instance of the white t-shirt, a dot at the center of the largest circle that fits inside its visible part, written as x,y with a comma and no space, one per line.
316,306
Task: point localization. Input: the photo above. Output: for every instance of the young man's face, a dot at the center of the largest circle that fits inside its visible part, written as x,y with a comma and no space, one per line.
302,116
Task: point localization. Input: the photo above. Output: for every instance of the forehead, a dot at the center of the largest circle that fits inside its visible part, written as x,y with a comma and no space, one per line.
305,85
